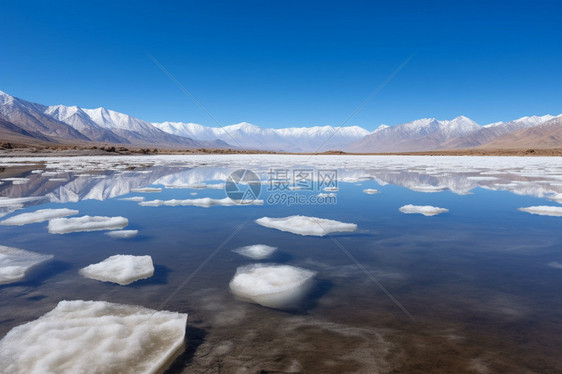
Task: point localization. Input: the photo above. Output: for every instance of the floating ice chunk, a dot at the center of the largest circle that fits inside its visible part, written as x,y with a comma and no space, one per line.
86,223
256,251
133,198
371,191
197,186
17,201
556,197
326,195
427,188
328,189
426,210
122,234
193,193
273,286
14,263
303,225
544,210
121,269
146,189
556,265
204,202
38,216
95,337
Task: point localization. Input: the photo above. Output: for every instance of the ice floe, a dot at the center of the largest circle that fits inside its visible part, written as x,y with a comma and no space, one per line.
556,265
330,189
544,210
197,186
146,189
38,216
121,269
323,195
273,286
95,337
122,234
17,201
371,191
256,251
15,262
303,225
133,198
204,202
86,223
426,210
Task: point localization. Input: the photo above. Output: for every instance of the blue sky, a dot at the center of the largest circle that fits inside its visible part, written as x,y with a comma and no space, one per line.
289,63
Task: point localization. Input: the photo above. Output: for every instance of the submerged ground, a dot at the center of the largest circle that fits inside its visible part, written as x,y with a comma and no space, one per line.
473,288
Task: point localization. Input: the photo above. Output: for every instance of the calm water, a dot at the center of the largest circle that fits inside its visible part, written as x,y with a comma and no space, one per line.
479,285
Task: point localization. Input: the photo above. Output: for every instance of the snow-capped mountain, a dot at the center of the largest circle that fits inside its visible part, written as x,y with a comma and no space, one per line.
59,123
418,135
249,136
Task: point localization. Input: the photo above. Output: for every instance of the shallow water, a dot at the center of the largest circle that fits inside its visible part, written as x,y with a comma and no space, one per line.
474,289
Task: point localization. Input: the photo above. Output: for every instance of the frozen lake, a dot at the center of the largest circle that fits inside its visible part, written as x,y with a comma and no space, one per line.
413,264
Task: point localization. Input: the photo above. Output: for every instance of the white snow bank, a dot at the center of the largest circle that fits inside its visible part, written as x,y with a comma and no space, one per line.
121,269
273,286
15,180
371,191
86,223
256,251
14,263
146,189
122,234
544,210
202,202
426,210
38,216
95,337
303,225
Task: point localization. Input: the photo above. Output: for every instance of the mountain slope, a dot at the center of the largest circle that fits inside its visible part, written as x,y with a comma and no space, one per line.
293,139
545,135
493,131
30,118
420,135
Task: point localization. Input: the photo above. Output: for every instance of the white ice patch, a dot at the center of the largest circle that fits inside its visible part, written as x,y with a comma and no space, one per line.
133,198
329,189
122,234
17,201
323,195
95,337
198,186
15,180
38,216
426,210
204,202
121,269
14,263
146,189
544,210
556,265
273,286
371,191
303,225
86,223
256,251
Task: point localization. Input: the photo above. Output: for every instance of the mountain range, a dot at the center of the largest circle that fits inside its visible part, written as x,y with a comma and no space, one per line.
25,122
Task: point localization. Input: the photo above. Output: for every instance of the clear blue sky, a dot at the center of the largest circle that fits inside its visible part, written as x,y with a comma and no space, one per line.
287,63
